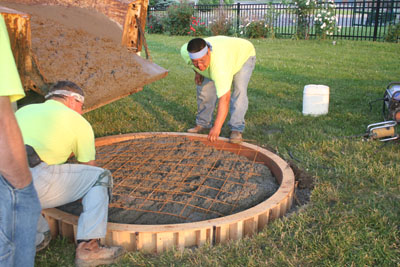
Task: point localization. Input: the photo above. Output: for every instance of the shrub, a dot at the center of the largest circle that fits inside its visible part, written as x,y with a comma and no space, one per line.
221,25
154,24
393,34
256,29
303,11
198,28
179,18
325,20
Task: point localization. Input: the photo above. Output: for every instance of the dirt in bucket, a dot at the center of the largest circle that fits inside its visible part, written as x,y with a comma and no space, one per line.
84,46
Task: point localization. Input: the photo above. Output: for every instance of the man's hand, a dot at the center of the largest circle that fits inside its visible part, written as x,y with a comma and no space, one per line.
222,112
214,134
198,78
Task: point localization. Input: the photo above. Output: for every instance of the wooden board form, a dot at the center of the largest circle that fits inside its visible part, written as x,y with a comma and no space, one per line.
159,238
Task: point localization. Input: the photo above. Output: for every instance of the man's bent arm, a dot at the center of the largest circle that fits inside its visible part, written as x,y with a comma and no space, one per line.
198,78
222,112
91,163
13,160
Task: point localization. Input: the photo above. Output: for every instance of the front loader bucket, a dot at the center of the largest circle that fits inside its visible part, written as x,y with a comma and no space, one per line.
149,73
121,74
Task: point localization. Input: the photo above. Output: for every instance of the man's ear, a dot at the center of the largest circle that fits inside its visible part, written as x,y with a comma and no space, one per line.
71,103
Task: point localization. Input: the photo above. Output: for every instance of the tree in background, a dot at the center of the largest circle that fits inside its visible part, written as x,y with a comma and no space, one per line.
162,4
214,2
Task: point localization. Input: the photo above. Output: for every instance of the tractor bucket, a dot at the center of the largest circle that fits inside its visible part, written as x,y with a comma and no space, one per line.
131,17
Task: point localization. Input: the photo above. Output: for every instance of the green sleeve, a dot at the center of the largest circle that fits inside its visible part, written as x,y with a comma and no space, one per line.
85,147
10,84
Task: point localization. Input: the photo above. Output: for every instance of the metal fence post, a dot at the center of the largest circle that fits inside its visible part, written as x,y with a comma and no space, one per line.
237,17
378,4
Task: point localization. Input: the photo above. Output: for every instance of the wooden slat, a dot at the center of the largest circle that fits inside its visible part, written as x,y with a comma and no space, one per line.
136,12
53,225
250,226
19,32
262,220
67,231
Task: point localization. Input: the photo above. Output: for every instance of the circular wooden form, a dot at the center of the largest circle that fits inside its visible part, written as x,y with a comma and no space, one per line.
158,238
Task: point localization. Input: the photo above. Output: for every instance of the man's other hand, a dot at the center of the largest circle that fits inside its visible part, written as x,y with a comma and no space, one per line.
198,78
214,134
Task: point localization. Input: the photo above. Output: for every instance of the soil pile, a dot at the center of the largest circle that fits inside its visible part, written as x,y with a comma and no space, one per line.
83,46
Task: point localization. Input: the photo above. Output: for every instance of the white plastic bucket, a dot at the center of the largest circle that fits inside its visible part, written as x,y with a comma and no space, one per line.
315,99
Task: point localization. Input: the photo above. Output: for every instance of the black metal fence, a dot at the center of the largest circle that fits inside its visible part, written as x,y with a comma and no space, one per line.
359,20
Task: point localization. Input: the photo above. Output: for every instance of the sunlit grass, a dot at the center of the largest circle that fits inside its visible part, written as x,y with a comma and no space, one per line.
353,216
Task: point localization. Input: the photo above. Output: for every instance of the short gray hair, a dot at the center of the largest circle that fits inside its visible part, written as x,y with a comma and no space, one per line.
65,85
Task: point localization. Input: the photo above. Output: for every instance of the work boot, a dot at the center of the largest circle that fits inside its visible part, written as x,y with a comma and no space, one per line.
236,137
45,242
91,253
198,129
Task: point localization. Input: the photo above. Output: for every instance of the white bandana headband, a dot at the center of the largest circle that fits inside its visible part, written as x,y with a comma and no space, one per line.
78,97
201,53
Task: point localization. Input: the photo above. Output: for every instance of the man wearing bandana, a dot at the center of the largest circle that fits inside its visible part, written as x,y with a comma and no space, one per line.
53,132
220,62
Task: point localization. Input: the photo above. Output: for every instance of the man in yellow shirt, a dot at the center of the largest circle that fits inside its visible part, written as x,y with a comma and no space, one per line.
219,62
54,131
19,203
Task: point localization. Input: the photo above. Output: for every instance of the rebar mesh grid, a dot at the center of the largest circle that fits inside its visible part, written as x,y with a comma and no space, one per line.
175,179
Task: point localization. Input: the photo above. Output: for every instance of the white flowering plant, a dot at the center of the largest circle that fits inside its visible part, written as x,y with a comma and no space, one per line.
304,9
253,28
325,20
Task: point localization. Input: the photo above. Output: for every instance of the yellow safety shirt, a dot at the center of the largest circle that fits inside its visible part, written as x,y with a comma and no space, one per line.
10,83
55,131
228,56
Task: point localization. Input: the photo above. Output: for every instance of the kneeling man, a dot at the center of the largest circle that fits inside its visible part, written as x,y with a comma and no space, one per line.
53,132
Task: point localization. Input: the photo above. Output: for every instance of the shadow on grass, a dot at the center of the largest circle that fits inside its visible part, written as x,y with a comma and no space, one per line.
180,113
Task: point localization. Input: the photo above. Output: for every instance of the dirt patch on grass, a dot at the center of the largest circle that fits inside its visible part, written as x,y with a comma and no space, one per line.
303,187
304,184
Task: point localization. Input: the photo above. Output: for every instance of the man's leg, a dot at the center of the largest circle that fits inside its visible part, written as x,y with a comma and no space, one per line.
19,212
92,223
61,184
206,101
28,211
239,101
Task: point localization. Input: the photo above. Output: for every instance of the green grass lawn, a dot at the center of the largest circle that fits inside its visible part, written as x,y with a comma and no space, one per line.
353,216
